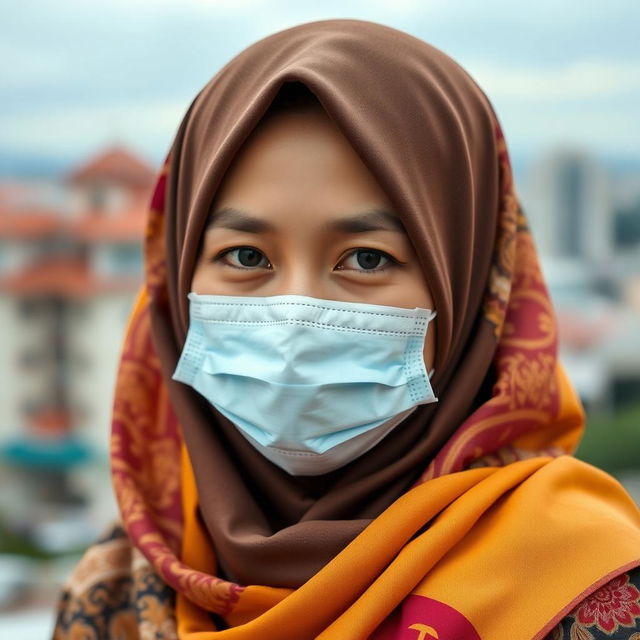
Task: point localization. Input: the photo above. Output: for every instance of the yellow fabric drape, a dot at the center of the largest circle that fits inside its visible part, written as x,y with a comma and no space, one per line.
510,548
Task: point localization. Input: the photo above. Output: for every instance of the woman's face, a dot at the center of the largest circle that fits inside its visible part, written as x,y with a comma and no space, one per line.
298,212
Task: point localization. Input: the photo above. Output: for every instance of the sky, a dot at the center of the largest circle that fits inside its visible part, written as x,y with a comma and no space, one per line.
78,75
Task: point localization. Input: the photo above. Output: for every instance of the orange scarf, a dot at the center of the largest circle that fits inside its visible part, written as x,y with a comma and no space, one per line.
508,552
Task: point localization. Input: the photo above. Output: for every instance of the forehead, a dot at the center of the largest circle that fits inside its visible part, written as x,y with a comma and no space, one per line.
299,167
299,156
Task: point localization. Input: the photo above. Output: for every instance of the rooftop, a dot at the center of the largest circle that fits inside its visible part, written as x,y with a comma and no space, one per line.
64,276
114,165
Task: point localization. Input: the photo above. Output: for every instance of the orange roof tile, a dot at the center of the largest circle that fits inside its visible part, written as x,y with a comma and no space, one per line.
116,164
29,223
67,277
121,226
52,420
93,226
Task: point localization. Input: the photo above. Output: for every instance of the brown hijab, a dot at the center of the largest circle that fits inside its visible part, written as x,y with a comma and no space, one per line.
426,131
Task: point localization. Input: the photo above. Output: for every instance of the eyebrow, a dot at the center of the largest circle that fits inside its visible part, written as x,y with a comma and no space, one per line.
369,220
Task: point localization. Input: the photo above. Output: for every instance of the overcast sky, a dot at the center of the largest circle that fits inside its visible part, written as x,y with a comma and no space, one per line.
78,74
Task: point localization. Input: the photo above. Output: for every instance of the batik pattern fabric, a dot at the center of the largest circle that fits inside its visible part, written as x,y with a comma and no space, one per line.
613,611
115,593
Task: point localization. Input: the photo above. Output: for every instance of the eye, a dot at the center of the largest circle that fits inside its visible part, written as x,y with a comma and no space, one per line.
244,258
366,260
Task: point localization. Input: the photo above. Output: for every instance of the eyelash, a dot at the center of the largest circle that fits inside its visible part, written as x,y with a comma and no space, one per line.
391,260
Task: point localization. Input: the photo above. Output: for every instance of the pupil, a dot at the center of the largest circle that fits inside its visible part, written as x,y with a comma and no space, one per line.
368,259
249,257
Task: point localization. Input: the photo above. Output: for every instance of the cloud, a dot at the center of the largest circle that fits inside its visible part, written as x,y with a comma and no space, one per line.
83,73
610,131
149,126
30,64
588,78
224,7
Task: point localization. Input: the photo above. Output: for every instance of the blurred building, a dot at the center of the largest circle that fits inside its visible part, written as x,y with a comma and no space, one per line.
599,337
571,199
70,265
570,193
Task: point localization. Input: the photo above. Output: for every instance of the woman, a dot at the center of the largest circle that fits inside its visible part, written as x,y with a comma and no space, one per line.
339,411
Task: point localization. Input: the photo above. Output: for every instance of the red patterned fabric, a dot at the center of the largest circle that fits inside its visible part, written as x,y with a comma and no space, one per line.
612,611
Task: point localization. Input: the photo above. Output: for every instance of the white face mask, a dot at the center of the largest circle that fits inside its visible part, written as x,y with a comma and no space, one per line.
312,384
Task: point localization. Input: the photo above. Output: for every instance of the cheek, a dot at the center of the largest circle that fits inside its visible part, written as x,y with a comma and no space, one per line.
411,284
205,281
199,281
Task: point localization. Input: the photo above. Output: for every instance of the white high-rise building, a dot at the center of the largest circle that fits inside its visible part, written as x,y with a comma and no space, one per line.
569,201
570,208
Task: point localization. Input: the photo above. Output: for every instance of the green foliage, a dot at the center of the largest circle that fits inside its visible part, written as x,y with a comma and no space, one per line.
12,542
613,442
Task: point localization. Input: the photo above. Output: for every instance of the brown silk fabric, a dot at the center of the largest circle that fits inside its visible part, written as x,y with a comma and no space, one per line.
430,137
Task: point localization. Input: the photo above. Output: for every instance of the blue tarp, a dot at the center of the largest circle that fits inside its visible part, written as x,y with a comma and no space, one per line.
56,453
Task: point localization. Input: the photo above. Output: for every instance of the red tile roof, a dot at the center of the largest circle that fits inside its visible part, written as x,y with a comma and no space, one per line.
92,227
51,421
29,223
124,226
68,277
116,164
